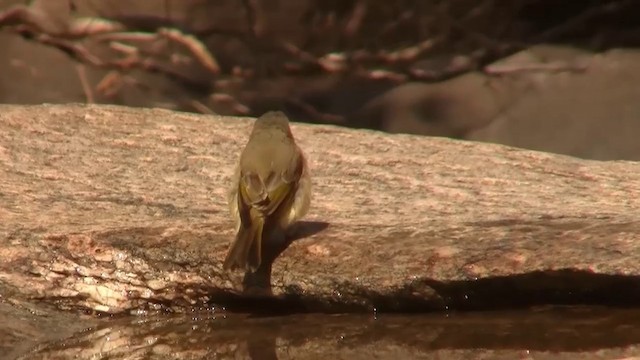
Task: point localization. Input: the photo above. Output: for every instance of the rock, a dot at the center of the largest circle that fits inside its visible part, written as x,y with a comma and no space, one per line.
121,210
547,98
589,114
450,108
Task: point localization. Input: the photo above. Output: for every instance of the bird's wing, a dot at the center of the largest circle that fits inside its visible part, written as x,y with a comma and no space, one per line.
281,188
268,195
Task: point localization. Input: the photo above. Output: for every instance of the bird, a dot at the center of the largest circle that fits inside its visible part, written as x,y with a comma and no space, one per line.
271,189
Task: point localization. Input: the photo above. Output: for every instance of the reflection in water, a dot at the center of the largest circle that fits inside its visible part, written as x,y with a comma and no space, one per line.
559,333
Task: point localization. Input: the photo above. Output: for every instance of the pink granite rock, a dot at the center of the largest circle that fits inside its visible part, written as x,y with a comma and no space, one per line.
114,209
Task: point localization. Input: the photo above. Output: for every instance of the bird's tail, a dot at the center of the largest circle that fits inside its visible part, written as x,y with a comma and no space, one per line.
246,251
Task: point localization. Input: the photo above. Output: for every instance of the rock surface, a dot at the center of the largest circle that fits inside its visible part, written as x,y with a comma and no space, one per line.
118,210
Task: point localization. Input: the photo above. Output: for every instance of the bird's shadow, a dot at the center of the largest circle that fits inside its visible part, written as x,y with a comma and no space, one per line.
303,229
258,282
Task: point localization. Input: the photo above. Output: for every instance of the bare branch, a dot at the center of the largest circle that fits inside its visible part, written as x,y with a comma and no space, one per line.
86,87
195,46
557,66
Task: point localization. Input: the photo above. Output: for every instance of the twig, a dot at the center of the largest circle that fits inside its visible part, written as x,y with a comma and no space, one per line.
582,18
252,19
409,53
298,53
82,75
200,107
379,74
195,46
355,21
133,36
89,26
401,20
110,84
124,48
191,43
72,49
433,70
557,66
313,114
25,16
42,23
484,40
231,101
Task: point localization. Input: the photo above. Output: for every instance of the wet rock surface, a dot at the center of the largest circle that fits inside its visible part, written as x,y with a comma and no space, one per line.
115,210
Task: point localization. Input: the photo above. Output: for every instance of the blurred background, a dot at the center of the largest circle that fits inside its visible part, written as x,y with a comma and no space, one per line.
557,76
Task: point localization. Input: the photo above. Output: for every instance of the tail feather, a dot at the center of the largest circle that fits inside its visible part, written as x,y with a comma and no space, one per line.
254,256
246,251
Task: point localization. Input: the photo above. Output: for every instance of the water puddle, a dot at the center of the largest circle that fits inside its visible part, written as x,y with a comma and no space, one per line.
543,333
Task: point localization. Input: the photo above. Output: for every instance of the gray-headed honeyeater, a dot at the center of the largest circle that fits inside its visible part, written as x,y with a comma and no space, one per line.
271,190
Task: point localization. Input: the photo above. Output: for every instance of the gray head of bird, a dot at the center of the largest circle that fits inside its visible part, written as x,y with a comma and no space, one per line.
272,120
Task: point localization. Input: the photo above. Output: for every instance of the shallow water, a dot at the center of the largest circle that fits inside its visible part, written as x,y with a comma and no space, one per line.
543,333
